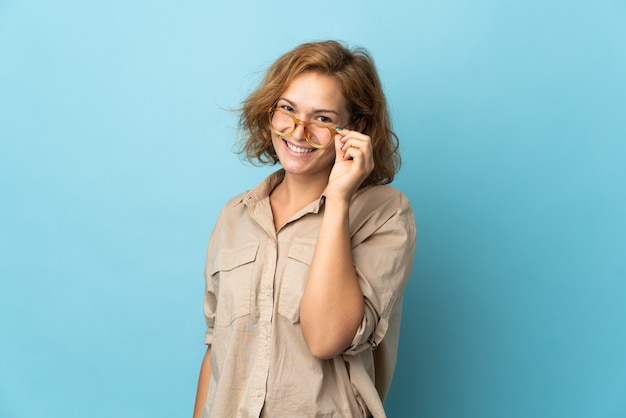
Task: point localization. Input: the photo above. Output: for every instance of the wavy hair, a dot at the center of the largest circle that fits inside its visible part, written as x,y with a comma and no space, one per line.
360,86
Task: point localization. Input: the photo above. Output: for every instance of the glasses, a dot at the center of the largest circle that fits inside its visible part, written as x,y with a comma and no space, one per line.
317,134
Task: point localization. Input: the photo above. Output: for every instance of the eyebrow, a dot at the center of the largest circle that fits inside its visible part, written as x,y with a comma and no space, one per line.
314,111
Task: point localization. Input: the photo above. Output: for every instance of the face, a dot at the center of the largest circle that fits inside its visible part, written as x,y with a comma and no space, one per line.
310,97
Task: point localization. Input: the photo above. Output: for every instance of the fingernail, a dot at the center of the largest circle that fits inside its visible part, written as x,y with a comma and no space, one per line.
339,129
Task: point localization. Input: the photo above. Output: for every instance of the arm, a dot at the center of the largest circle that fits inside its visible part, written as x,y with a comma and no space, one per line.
332,306
203,384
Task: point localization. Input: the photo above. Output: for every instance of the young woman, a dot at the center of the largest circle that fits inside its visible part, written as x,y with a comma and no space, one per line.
305,273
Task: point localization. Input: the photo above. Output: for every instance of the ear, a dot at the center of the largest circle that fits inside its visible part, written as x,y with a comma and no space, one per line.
360,124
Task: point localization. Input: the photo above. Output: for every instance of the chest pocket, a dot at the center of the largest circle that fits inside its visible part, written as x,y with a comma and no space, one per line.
294,278
232,276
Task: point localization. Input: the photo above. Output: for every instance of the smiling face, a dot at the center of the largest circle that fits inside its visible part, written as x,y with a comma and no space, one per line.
310,97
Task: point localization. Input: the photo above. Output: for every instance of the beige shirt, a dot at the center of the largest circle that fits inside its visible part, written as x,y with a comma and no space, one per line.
255,276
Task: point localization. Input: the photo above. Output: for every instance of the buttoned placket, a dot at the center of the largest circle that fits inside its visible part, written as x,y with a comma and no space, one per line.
269,255
261,212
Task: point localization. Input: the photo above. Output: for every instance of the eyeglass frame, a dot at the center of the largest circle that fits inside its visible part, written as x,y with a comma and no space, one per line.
333,131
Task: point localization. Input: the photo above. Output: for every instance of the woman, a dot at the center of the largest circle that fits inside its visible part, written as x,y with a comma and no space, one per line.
305,273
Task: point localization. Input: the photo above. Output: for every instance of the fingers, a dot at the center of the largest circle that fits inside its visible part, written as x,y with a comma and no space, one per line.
354,161
353,145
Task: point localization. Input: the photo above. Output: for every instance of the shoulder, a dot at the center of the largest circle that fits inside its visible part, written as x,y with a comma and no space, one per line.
236,200
382,192
375,209
382,200
230,207
260,192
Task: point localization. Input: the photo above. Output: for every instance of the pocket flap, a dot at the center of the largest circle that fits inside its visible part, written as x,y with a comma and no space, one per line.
230,258
302,251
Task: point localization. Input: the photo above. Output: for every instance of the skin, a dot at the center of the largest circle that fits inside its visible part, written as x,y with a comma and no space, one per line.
203,384
331,309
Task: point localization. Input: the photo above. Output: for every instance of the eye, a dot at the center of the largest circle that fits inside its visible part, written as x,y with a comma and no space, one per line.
287,108
324,119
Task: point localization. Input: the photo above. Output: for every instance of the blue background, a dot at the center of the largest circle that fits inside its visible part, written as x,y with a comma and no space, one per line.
116,156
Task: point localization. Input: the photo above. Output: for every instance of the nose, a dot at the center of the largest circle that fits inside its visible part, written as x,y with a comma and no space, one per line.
299,132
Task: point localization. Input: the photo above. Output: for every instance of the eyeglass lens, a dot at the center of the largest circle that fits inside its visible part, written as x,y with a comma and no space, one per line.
316,132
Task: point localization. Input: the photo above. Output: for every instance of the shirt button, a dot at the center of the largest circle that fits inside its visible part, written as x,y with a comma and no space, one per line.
258,393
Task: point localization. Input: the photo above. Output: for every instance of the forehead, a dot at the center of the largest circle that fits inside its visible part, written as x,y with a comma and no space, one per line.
312,91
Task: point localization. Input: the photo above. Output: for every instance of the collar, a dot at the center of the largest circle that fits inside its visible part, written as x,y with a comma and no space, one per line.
262,191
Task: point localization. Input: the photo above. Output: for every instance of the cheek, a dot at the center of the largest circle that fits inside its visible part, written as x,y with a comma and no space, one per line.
276,140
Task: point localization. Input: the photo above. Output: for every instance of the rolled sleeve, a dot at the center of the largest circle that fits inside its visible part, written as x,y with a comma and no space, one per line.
210,292
209,311
383,260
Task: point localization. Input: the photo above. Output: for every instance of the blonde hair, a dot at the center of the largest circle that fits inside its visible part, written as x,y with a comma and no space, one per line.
360,85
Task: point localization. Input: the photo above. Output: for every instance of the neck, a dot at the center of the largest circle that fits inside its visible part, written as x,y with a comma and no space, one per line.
298,191
293,194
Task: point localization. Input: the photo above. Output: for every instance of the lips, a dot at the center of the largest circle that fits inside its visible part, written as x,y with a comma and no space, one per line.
298,149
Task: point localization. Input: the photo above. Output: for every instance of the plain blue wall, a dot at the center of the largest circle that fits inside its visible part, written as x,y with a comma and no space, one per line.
116,157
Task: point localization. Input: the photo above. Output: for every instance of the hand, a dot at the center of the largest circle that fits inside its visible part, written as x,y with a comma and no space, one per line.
354,161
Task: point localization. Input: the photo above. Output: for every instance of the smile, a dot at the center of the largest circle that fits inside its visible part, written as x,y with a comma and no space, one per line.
298,149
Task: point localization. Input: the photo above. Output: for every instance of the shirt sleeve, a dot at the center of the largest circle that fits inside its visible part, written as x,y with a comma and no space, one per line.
210,300
383,250
210,292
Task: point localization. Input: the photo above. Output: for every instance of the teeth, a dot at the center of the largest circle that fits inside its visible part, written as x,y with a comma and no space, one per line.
298,149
